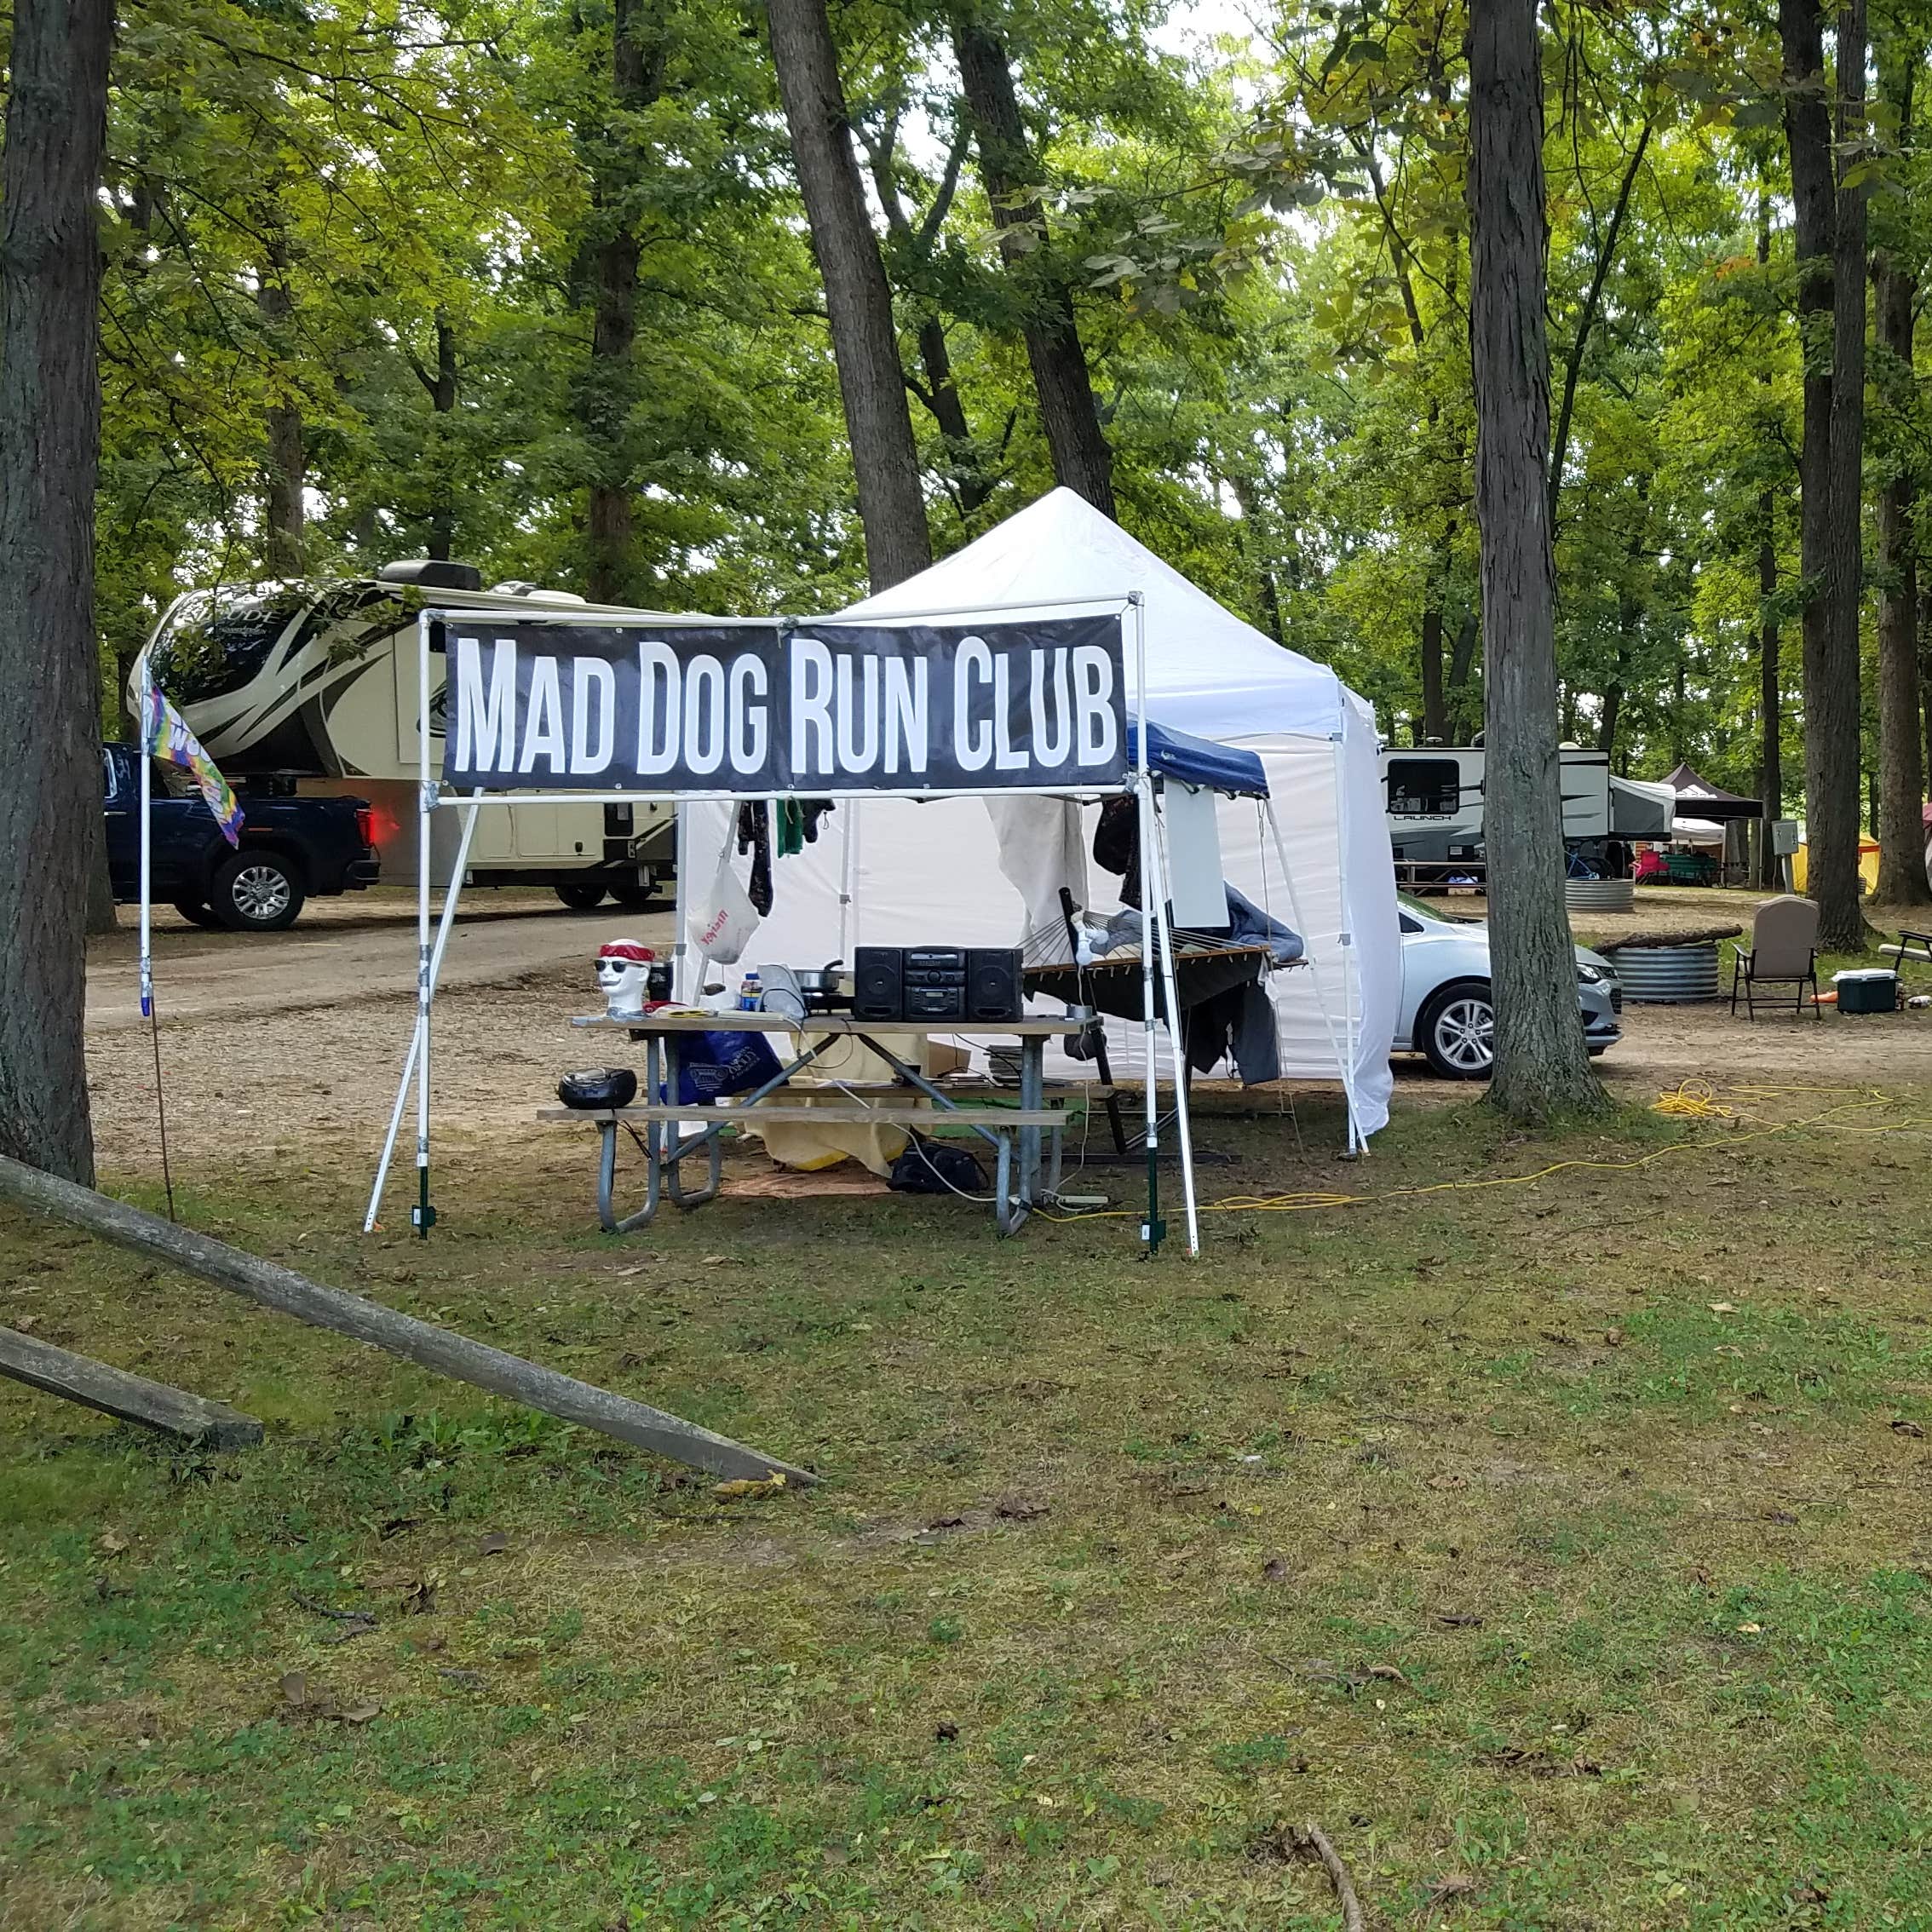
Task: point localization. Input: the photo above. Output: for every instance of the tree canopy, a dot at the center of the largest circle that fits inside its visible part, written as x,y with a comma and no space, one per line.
535,286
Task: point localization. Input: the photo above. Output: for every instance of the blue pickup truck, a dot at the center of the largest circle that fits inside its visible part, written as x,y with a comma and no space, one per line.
290,848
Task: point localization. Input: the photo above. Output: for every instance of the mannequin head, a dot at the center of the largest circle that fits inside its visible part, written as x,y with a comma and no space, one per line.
623,972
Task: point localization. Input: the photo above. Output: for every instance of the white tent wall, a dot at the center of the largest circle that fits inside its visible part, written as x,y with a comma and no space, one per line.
1210,674
931,874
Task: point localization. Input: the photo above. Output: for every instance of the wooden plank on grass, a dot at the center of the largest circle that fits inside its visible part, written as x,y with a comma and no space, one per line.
131,1398
440,1350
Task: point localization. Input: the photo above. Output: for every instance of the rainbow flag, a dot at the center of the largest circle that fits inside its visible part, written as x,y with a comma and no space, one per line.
164,734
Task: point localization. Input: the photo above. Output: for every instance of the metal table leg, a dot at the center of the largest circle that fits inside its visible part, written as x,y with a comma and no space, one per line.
1008,1211
608,1216
678,1146
1032,1093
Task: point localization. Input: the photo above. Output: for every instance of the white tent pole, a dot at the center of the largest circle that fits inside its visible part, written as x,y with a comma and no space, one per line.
1356,1142
849,822
425,818
443,929
1182,1125
1344,1062
680,990
147,753
1143,795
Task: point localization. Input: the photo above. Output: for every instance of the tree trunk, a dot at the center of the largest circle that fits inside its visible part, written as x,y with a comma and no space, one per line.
1770,691
1611,718
1901,774
892,507
285,459
1586,320
1833,732
1925,660
638,55
1255,550
56,118
1462,661
1770,644
443,401
966,481
1435,710
284,465
1542,1067
1081,458
1831,698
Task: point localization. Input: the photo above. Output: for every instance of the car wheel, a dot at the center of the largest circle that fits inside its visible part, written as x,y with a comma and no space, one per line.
1457,1033
638,892
581,898
197,912
257,892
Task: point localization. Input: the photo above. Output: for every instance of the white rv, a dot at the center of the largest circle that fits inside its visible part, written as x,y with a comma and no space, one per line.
314,686
1435,798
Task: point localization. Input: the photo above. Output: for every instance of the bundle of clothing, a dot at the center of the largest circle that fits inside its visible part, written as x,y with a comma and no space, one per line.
797,827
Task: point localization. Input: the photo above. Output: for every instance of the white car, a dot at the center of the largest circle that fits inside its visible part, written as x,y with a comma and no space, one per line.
1447,1014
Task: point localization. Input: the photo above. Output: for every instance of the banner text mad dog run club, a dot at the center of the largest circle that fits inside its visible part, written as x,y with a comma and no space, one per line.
823,709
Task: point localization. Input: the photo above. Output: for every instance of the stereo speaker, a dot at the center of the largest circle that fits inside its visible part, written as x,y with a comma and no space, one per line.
992,983
878,982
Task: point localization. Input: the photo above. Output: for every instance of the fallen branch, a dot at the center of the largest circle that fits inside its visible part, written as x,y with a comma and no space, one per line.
129,1398
419,1342
1312,1841
1689,935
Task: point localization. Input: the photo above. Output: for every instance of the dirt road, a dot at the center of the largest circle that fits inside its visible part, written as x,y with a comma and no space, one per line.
288,1047
345,951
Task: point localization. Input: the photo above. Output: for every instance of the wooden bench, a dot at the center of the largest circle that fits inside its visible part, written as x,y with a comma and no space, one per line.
1915,946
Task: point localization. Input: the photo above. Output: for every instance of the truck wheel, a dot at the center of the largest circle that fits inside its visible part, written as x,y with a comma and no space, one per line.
257,892
586,898
1457,1031
199,912
638,892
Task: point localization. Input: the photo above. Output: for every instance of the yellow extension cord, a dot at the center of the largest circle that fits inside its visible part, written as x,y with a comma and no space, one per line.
1692,1099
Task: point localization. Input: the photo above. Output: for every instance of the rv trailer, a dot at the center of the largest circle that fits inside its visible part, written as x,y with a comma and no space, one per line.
312,689
1434,795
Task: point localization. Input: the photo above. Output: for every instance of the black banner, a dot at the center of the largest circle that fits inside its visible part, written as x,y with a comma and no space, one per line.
823,708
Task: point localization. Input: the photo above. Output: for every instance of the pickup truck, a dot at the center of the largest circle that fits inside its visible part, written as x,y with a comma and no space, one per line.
290,847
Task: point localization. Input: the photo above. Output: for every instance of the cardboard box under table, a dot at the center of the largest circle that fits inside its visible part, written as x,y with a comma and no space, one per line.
1026,1139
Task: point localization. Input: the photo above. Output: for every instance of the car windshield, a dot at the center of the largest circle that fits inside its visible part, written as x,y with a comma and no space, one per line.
219,639
1422,910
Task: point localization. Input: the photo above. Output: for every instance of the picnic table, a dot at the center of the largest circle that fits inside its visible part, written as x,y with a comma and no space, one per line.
1024,1137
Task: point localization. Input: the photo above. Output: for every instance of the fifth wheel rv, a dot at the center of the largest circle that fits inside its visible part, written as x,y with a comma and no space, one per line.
314,686
1434,798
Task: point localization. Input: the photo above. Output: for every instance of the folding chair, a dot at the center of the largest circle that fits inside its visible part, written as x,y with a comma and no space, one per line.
1783,952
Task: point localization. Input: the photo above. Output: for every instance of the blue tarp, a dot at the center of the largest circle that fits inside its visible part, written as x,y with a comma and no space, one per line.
1200,760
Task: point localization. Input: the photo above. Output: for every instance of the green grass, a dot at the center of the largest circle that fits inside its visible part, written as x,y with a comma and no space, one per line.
1555,1538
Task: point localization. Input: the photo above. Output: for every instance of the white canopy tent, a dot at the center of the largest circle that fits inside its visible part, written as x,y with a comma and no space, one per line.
985,872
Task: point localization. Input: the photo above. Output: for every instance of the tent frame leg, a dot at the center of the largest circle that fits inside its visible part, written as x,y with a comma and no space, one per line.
444,927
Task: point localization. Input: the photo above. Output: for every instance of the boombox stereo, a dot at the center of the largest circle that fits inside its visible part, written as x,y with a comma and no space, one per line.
932,984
